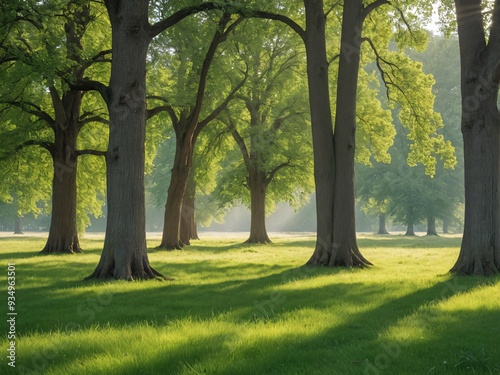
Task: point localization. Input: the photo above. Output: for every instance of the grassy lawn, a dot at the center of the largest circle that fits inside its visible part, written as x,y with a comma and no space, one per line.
240,309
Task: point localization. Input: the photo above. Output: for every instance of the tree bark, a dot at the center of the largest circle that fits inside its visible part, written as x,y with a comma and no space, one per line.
322,128
431,226
171,238
63,235
480,249
381,224
258,186
188,229
344,250
410,231
124,255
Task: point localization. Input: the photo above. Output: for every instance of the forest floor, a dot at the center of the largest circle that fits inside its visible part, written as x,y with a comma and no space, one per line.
236,309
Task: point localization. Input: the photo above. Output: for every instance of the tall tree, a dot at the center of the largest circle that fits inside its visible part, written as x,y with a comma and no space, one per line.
188,122
124,255
42,55
480,76
269,128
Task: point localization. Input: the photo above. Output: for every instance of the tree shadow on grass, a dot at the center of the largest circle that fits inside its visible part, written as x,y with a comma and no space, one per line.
355,346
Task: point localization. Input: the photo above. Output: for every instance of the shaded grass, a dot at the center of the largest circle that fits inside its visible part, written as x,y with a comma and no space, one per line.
246,309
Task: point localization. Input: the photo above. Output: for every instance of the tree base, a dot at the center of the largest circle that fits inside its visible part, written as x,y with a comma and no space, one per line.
138,269
171,246
347,256
61,248
254,240
480,264
384,232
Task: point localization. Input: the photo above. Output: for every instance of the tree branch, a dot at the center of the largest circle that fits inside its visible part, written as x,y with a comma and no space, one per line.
371,7
89,85
178,16
90,152
97,58
167,107
33,109
241,143
49,146
217,111
271,174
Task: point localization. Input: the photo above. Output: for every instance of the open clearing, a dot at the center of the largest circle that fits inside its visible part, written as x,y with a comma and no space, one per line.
241,309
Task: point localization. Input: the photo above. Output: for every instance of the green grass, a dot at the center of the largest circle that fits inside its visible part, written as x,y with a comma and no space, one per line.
240,309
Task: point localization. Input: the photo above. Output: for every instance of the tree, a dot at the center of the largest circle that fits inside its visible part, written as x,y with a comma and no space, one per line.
269,127
53,56
124,254
188,122
480,74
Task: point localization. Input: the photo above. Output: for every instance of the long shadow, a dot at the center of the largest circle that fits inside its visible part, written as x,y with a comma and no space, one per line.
242,307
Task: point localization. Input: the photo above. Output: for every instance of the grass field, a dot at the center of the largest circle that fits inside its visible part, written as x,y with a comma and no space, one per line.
240,309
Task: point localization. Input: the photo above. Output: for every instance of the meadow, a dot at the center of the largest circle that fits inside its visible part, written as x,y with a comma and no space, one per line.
252,309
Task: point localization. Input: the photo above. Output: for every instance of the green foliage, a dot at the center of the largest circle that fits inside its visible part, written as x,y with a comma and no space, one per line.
269,121
44,46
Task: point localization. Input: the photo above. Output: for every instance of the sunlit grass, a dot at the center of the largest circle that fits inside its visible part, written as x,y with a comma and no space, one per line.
240,309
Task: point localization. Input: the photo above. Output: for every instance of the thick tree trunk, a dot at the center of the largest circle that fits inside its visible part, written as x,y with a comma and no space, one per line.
124,255
381,224
322,128
410,231
171,238
258,186
63,235
344,250
18,225
480,250
431,226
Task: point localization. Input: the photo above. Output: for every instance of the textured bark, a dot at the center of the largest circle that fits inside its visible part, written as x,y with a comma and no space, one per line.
258,186
171,237
188,230
322,127
431,226
124,255
480,69
344,250
381,224
63,235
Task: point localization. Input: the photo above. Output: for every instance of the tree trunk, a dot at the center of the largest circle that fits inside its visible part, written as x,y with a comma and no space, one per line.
381,225
257,184
410,231
188,224
171,238
322,128
18,225
63,235
124,255
431,226
344,249
480,250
